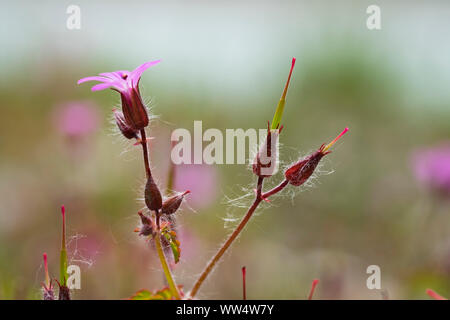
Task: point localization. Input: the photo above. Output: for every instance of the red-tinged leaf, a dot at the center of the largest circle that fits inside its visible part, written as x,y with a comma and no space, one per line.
163,294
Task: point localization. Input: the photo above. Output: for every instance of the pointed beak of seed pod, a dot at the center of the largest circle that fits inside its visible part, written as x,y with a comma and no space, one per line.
280,107
328,146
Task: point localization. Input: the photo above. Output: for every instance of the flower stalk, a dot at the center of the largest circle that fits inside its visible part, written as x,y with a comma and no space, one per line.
244,289
170,280
266,150
157,237
296,175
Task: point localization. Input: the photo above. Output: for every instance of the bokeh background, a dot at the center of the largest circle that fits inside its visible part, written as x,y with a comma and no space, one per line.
387,201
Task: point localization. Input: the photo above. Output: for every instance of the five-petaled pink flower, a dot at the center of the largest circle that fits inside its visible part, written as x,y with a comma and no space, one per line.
127,84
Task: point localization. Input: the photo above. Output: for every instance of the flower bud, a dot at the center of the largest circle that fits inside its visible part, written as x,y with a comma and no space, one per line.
265,163
148,227
123,126
134,110
172,204
153,198
298,173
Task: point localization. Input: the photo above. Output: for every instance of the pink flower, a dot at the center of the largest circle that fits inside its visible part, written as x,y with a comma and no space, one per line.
201,180
432,167
76,118
127,84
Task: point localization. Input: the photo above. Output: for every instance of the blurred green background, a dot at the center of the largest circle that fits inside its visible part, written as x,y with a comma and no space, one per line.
225,63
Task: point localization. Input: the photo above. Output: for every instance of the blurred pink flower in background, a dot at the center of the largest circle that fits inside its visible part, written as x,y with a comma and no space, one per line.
76,119
189,244
432,167
201,180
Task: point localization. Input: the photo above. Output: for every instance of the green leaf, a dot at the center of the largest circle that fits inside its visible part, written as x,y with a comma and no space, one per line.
163,294
171,237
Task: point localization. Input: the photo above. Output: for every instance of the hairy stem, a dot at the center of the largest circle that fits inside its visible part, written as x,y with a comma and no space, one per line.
169,277
259,197
277,189
172,285
148,172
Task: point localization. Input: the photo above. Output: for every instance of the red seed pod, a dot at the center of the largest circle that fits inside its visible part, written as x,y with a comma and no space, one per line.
153,198
265,162
298,173
172,204
64,293
134,110
123,126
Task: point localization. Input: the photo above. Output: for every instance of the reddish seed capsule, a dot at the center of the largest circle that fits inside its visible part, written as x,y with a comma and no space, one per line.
265,162
123,126
153,198
298,173
134,110
64,293
172,204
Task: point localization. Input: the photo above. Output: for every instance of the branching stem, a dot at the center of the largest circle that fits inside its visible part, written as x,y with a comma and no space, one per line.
258,198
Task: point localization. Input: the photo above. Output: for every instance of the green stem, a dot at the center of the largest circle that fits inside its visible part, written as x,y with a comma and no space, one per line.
167,272
173,287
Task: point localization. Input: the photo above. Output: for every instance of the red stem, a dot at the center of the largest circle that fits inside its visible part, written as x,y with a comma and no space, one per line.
148,172
259,197
244,291
277,189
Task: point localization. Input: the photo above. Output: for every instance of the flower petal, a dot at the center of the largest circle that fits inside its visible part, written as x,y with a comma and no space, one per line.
135,75
116,75
95,78
103,86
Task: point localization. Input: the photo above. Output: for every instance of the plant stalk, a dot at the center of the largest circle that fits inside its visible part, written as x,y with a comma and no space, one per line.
259,197
172,285
162,258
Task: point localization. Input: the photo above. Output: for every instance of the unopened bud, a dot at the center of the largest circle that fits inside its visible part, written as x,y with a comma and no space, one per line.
134,110
47,286
172,204
148,227
298,173
153,198
123,126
